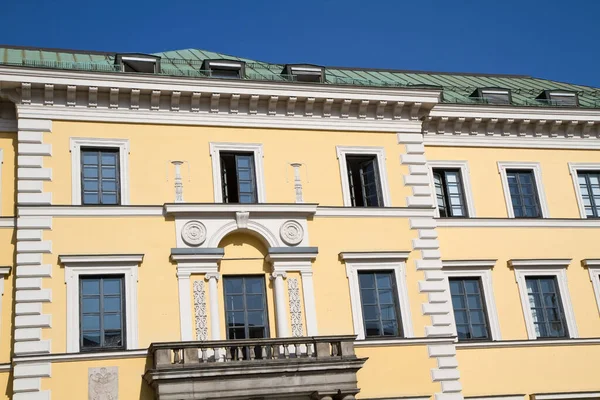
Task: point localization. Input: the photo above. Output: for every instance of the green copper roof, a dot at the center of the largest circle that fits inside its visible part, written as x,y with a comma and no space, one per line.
457,88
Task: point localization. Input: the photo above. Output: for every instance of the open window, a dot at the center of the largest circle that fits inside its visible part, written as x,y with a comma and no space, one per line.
492,95
136,62
304,73
238,177
229,69
562,98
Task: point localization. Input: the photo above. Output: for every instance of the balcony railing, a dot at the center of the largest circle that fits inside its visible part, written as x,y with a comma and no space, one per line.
178,354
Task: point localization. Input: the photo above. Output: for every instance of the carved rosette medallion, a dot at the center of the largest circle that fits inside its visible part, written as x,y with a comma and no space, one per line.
291,233
193,233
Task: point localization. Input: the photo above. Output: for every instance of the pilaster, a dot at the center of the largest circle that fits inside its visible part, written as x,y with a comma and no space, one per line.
30,272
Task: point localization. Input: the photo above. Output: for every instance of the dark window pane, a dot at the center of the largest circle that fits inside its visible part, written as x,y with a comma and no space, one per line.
245,310
238,177
90,322
100,176
379,304
91,339
91,286
91,305
523,193
469,311
364,181
113,339
449,193
546,307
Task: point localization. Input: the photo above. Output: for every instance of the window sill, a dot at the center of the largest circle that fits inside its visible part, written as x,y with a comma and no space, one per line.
397,341
517,223
529,343
103,355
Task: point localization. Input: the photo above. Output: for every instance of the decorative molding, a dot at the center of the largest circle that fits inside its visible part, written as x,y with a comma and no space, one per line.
108,355
373,212
512,142
241,219
103,383
7,222
566,396
374,256
489,263
498,397
594,271
291,232
379,153
374,263
304,209
540,262
88,259
193,233
465,176
91,211
414,341
535,167
516,223
200,310
573,168
557,270
75,146
484,274
295,307
259,172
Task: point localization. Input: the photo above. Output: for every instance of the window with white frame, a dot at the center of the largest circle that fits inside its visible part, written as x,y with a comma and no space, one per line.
99,171
473,302
238,173
101,301
523,189
378,294
593,266
586,181
545,298
363,176
452,189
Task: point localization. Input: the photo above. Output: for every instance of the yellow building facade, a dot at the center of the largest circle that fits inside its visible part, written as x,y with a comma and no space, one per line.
209,227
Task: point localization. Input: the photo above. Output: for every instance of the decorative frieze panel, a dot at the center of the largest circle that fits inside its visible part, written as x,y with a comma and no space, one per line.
103,383
200,310
295,307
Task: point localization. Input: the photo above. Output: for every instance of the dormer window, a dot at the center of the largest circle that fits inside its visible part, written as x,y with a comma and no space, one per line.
492,95
560,98
144,63
224,68
304,73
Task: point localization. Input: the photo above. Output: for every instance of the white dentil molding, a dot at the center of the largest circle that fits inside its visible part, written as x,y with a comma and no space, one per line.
256,149
573,168
536,168
354,266
465,176
559,271
77,266
379,152
76,143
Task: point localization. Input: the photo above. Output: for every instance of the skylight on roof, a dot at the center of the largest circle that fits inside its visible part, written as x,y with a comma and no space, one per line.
492,95
138,63
304,73
224,68
567,99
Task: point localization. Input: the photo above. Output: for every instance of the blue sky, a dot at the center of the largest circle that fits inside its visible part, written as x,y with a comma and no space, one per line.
554,39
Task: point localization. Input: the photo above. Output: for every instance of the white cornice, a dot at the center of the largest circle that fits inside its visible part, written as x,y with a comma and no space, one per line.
100,259
591,262
516,223
500,112
373,212
4,270
189,258
497,397
527,343
7,222
540,262
403,342
212,208
511,142
468,263
91,211
566,396
374,255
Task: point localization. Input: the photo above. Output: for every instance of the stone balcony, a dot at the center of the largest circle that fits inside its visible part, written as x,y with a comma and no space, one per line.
322,368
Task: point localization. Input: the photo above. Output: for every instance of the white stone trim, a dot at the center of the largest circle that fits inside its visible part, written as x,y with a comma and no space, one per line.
354,266
464,269
415,341
501,397
558,271
370,212
5,367
7,222
375,256
109,355
511,142
76,266
4,272
289,209
76,143
259,171
594,271
465,176
540,262
527,343
539,184
573,168
92,211
517,223
379,152
566,396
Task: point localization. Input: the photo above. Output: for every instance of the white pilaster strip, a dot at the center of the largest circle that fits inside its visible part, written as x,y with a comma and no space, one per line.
213,301
435,285
30,272
281,317
185,301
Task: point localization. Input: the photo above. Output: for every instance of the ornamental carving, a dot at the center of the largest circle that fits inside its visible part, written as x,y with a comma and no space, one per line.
103,383
194,233
291,233
200,310
295,307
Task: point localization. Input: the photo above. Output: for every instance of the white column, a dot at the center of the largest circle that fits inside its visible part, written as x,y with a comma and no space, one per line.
213,301
185,305
281,312
310,308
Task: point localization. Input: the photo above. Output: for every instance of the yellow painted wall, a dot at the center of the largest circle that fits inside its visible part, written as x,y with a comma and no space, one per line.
158,309
553,369
8,144
150,154
395,371
131,384
488,194
514,243
7,249
5,385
